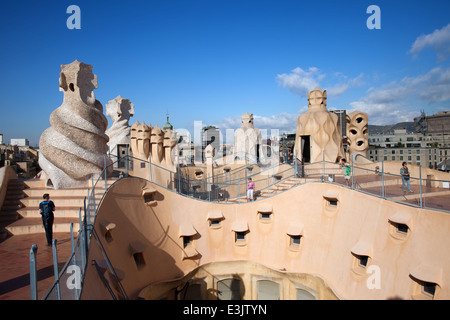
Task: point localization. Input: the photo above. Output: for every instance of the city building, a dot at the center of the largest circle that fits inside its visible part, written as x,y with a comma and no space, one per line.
20,142
435,125
415,148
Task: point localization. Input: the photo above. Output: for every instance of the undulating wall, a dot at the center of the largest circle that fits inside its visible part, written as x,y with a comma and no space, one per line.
359,246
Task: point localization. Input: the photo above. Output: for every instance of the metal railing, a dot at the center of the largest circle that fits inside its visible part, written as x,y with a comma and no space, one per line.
230,187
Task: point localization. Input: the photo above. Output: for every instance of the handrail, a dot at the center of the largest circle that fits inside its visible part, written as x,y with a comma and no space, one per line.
108,262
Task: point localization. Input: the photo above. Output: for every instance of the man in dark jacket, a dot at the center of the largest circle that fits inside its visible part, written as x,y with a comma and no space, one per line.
46,209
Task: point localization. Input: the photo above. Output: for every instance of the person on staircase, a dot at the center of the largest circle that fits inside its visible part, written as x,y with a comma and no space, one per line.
46,209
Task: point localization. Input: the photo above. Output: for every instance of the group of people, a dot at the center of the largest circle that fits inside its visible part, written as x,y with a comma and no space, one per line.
404,173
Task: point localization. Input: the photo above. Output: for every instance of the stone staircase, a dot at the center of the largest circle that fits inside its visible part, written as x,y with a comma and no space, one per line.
20,211
271,191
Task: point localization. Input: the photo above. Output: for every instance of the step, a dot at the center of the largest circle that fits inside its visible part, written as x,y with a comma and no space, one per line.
6,216
39,192
34,225
14,194
320,171
416,195
284,186
12,207
34,183
267,193
3,234
67,201
23,184
62,212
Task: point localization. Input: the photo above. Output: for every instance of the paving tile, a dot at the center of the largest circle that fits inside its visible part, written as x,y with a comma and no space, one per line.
15,264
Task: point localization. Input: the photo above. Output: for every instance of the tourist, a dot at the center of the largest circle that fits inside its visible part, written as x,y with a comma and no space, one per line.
46,209
404,172
250,188
346,170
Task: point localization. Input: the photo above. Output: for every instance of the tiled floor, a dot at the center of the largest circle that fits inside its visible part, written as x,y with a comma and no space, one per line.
15,264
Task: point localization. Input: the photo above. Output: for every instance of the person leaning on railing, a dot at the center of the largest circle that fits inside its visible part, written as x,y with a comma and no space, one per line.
404,172
346,170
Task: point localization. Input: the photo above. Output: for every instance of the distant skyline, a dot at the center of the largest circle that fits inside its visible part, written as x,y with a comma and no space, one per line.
214,60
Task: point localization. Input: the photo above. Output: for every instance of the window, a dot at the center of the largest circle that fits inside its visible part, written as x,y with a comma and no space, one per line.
361,257
240,236
215,223
139,260
268,290
265,215
188,234
241,230
107,228
362,261
187,240
305,295
333,202
215,218
429,289
199,174
191,291
137,250
295,233
150,195
230,289
401,227
424,290
295,240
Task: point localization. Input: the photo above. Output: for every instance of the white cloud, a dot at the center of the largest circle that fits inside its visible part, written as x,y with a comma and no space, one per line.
284,122
438,40
301,82
392,102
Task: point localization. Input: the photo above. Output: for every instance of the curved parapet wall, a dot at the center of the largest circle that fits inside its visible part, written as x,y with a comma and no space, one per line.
331,241
73,148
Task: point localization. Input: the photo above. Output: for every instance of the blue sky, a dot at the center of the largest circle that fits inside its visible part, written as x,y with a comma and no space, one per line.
213,60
